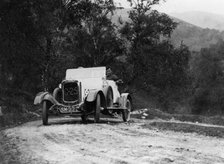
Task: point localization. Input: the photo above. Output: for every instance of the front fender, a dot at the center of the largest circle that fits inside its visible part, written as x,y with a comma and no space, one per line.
91,97
40,97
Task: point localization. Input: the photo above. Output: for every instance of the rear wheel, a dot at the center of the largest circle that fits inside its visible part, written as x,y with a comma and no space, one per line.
45,109
97,109
126,113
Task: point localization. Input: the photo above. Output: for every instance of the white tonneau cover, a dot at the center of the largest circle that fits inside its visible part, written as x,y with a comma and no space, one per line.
86,73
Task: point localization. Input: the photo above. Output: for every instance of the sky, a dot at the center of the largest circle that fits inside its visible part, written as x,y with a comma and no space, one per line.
178,6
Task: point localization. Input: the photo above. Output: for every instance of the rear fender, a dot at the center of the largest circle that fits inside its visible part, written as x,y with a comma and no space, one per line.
42,96
106,89
92,97
123,99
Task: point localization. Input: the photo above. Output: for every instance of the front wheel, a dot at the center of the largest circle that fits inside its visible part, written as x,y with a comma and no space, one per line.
126,113
45,112
97,109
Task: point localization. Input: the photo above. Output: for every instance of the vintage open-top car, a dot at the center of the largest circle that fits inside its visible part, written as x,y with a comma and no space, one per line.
84,92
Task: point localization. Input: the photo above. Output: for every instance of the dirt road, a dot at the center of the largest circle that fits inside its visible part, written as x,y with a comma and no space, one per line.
69,141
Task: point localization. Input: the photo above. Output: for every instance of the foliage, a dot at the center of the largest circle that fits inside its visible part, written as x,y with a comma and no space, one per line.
40,39
27,32
95,42
208,79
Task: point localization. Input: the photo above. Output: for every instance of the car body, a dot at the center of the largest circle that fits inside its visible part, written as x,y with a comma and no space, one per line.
84,92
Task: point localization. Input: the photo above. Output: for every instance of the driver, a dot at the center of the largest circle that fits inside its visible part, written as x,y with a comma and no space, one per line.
110,75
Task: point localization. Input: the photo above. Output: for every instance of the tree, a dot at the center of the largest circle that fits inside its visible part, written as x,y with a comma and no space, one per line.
95,42
19,52
155,61
31,31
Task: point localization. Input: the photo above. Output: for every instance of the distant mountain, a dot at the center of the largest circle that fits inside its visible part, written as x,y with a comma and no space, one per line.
202,19
194,36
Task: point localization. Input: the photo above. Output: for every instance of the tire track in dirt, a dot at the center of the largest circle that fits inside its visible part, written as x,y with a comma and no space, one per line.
67,141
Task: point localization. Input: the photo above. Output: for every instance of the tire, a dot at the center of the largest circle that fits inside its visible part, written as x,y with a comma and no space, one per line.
109,97
126,114
97,109
45,112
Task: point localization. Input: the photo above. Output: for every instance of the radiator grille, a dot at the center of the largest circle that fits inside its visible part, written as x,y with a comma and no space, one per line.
70,92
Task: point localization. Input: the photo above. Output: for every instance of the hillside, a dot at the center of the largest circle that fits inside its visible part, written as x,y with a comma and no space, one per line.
202,19
195,37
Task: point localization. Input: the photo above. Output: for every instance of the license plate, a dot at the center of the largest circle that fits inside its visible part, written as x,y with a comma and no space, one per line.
68,109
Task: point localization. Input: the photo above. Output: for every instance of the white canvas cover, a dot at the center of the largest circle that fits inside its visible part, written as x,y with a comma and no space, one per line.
86,73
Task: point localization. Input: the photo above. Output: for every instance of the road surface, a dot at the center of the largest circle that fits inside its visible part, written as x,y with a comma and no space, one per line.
67,140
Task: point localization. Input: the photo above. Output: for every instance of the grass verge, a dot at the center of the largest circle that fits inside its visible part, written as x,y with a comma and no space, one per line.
187,128
214,120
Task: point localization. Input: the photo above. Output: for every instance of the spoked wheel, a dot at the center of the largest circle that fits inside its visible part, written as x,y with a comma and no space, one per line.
45,109
126,114
97,109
